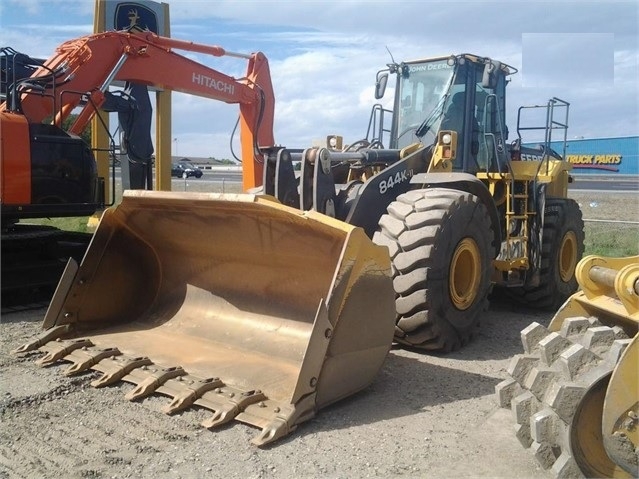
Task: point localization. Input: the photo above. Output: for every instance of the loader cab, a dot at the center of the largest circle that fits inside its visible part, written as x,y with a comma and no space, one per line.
464,93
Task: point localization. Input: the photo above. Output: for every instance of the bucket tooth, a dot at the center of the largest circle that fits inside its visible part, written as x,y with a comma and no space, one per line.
85,358
116,369
43,338
279,427
226,403
57,350
185,390
276,419
153,381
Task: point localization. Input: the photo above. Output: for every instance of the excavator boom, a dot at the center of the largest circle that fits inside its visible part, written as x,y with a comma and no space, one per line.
81,71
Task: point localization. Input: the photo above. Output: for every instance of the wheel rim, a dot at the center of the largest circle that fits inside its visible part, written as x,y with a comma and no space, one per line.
586,442
568,256
465,273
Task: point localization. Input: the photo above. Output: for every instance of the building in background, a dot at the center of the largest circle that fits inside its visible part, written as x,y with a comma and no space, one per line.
602,156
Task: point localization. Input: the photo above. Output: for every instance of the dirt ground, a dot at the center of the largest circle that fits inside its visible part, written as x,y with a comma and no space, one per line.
424,416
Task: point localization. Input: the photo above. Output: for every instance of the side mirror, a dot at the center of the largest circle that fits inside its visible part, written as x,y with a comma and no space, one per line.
490,76
380,84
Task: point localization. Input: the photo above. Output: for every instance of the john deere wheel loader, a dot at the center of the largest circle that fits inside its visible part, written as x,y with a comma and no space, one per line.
574,392
459,208
267,306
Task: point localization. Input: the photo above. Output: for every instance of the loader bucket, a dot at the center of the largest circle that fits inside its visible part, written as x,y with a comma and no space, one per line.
234,303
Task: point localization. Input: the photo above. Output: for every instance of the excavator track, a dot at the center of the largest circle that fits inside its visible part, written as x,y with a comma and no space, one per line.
33,259
556,391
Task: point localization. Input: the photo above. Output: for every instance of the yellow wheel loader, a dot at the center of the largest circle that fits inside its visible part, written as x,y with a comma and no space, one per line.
574,392
461,210
267,306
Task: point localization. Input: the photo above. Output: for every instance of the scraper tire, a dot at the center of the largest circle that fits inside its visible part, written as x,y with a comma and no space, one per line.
440,242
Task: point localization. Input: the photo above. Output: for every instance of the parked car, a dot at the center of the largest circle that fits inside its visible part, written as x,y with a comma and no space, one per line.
185,169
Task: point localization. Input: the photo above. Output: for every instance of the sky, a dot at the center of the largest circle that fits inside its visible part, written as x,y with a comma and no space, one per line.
324,56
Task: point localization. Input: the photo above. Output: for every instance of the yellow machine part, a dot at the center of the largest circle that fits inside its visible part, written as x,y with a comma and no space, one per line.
609,290
606,433
234,303
574,392
620,422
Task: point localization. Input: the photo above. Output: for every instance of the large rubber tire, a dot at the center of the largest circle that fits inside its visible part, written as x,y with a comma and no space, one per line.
556,392
441,245
562,248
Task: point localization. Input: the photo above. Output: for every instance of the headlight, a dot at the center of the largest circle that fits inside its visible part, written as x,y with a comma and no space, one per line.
446,139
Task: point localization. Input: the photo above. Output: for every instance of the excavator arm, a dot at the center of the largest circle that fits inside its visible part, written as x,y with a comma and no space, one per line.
82,70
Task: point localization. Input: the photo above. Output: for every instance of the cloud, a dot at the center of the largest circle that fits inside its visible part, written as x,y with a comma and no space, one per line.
581,59
324,56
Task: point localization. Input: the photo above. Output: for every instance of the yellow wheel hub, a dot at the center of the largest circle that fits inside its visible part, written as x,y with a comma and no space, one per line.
568,256
465,274
586,441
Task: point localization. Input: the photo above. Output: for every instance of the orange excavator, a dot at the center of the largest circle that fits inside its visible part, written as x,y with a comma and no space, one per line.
77,78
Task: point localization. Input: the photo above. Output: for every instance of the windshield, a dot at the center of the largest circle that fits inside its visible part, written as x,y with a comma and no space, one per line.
422,90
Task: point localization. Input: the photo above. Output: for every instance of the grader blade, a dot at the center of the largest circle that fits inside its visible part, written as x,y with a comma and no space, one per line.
234,303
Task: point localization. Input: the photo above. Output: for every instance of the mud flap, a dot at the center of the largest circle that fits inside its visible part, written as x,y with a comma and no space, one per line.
234,303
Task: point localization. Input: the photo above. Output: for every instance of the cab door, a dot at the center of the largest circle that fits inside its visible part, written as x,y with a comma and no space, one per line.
489,111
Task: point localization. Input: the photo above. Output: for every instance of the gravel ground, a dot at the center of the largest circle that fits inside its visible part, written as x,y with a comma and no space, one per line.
424,416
